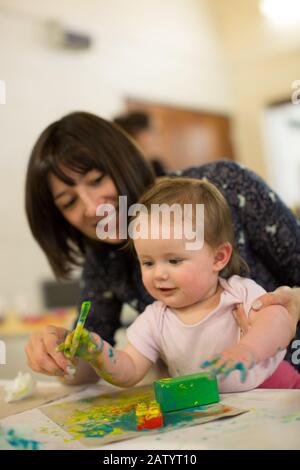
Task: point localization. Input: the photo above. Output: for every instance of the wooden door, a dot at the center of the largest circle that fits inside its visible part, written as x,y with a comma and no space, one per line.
187,137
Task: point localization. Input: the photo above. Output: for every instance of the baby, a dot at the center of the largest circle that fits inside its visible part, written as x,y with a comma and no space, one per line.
196,282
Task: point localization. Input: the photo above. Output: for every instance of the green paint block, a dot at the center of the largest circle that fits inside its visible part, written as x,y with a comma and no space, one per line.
186,391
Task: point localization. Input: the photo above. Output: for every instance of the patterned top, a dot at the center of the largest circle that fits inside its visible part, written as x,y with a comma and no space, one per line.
266,232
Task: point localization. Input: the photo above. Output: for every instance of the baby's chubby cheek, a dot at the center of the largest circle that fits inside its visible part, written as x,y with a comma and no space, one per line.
192,285
148,284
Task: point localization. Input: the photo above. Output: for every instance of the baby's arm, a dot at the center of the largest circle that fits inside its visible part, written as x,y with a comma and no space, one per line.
122,368
271,330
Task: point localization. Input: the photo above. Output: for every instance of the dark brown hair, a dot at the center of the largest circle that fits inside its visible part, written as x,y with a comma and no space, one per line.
218,227
81,142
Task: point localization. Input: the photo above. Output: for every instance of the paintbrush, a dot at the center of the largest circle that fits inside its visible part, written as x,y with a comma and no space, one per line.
71,348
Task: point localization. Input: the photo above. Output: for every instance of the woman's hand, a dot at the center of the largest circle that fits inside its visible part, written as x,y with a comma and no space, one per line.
286,296
42,354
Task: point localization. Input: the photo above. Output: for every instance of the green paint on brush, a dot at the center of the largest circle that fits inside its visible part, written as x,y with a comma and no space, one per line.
89,351
85,308
85,346
73,340
80,343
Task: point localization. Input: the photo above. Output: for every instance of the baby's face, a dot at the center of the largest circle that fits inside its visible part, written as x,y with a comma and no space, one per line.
174,275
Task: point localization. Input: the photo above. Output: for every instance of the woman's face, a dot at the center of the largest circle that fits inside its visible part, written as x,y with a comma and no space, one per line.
78,203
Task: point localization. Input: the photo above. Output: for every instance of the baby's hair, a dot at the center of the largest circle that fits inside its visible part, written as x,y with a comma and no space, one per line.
218,226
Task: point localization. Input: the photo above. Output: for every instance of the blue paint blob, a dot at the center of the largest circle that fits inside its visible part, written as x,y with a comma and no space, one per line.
210,362
243,371
111,353
21,443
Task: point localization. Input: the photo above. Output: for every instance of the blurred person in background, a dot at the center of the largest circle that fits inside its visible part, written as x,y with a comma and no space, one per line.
139,126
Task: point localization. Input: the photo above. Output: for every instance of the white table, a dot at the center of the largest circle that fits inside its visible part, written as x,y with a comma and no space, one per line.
273,422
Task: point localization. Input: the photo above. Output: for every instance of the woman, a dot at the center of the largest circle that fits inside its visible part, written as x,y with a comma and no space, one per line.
82,161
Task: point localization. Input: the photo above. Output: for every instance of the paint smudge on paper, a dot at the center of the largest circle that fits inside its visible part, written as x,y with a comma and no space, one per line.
290,418
13,439
111,417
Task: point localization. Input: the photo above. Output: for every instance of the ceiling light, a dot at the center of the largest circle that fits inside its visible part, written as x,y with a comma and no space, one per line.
281,12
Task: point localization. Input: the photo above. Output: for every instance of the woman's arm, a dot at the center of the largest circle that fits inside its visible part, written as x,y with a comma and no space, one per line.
41,350
287,297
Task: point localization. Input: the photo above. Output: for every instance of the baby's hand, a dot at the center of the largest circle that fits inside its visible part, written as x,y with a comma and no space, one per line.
90,345
238,357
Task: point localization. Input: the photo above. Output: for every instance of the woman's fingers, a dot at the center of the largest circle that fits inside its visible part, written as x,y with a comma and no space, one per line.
39,361
51,340
286,296
42,355
281,296
241,318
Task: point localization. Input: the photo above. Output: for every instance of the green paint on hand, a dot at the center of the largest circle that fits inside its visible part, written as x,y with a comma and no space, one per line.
227,367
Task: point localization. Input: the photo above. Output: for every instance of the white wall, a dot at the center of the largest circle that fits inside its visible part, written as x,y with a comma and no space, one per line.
282,140
167,51
265,62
